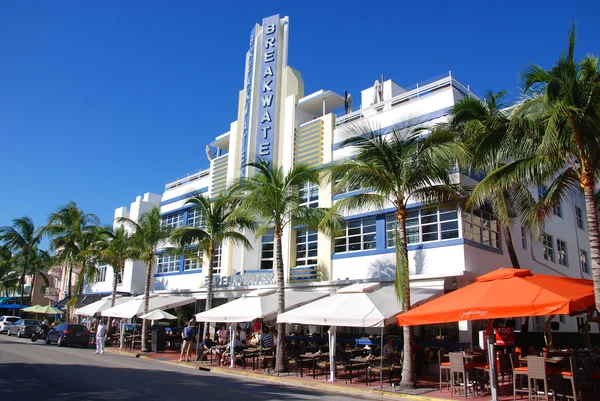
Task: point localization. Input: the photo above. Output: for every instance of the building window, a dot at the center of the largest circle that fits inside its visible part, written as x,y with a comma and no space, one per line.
100,274
193,262
558,211
267,250
195,218
482,227
306,247
579,217
561,319
168,264
583,259
548,243
541,191
308,194
523,238
424,225
216,262
43,289
120,274
172,220
359,235
561,252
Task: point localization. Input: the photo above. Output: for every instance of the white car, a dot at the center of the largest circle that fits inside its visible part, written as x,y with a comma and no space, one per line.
6,321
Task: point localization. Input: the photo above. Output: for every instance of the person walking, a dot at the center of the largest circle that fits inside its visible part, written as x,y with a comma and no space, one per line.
100,337
188,338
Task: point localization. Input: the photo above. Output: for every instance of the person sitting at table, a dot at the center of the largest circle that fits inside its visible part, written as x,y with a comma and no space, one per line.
388,348
266,339
240,335
222,335
256,326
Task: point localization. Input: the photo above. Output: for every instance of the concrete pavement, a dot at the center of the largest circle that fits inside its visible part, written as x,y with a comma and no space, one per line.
35,371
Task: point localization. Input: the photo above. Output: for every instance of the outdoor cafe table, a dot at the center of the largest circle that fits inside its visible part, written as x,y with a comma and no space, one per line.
312,356
219,348
555,360
367,361
251,353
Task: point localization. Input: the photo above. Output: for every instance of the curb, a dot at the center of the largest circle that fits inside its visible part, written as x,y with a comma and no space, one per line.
326,387
330,387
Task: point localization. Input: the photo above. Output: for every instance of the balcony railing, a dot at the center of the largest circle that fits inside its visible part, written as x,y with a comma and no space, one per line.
56,271
52,293
304,273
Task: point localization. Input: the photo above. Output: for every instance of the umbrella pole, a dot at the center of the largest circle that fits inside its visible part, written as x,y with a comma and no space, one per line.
491,346
381,361
231,339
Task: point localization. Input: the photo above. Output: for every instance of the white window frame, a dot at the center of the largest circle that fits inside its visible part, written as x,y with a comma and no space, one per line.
308,194
548,247
584,261
306,245
365,230
172,220
558,210
523,238
195,218
562,255
579,218
481,227
216,262
101,276
195,263
168,264
120,273
444,222
267,256
541,191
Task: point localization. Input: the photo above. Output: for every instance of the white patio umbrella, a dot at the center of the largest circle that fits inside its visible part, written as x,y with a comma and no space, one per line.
358,305
135,307
158,314
101,305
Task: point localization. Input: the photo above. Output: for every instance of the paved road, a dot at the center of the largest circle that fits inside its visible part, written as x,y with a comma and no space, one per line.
35,371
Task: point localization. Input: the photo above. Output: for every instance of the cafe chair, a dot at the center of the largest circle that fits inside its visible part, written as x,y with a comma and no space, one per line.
537,375
519,373
444,370
573,376
459,378
591,374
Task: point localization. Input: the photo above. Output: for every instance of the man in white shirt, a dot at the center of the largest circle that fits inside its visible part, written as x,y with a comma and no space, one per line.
241,335
100,337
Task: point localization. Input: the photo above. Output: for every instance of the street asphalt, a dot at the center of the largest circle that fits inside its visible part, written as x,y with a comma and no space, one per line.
36,371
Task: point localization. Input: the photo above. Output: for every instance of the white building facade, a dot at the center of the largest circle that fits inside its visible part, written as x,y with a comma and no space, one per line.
277,121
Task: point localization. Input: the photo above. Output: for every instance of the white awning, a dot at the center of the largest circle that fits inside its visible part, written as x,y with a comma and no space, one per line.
101,305
358,305
257,304
135,307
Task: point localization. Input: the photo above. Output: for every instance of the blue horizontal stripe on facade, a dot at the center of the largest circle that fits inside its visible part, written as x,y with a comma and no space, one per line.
408,123
184,196
413,247
178,273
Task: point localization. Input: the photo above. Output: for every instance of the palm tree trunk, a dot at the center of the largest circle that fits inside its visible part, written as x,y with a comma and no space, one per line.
510,247
25,267
209,288
594,235
113,299
408,367
69,284
147,303
280,357
32,289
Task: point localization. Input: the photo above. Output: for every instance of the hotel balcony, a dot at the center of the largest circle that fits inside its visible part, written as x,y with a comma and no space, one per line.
52,293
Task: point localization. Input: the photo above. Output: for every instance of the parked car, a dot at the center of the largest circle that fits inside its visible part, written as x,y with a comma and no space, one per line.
69,334
23,328
6,321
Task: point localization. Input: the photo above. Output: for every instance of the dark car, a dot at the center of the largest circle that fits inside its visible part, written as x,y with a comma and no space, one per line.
23,328
69,334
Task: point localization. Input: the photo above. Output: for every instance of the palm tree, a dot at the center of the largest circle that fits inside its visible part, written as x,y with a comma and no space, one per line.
21,238
65,228
271,197
39,261
9,277
220,224
398,166
148,235
562,148
483,125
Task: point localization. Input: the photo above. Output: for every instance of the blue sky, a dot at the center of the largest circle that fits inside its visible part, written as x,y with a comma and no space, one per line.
103,101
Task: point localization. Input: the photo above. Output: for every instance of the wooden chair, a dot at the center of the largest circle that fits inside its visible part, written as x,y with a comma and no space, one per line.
459,378
387,368
536,375
518,374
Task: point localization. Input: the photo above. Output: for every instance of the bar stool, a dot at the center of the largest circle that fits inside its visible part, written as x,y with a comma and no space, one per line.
519,373
444,371
573,377
536,370
459,378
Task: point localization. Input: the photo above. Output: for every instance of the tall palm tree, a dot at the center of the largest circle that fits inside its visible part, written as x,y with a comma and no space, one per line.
220,224
148,235
271,197
21,238
39,262
563,148
65,228
484,127
396,167
9,277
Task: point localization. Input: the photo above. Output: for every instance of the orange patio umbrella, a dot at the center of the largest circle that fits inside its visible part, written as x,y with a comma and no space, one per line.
506,293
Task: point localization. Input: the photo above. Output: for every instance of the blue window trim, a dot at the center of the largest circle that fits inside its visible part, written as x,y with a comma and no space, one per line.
484,247
413,247
183,209
184,196
178,273
255,271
